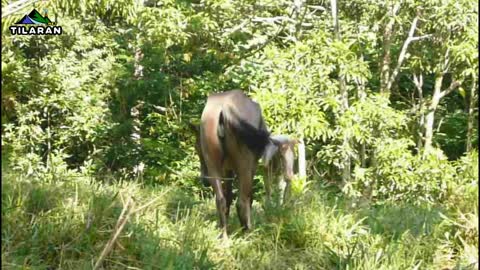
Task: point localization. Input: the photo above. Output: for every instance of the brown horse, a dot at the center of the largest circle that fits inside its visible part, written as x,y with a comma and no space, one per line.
278,161
232,136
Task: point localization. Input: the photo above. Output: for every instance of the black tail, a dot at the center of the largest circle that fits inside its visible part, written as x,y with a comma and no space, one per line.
256,139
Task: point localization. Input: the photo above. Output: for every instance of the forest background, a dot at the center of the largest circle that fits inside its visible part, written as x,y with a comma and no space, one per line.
98,163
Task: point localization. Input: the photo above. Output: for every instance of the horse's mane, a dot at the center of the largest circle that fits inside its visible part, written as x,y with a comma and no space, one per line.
255,138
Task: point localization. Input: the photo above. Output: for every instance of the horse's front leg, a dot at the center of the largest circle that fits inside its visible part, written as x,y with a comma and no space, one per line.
267,181
284,189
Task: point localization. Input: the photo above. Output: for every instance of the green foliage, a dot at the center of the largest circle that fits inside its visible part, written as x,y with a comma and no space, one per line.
62,110
290,66
400,176
465,186
452,134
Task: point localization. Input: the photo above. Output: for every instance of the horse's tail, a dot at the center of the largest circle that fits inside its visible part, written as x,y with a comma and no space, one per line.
255,138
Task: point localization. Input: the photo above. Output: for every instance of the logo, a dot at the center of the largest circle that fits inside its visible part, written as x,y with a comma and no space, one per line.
35,24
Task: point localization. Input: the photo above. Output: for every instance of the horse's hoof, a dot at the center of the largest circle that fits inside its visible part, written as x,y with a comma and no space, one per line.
223,236
224,243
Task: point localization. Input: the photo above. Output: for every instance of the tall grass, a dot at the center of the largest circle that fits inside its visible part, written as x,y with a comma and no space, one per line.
66,225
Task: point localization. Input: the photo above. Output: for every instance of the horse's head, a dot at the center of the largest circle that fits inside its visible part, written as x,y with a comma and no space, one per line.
283,145
195,128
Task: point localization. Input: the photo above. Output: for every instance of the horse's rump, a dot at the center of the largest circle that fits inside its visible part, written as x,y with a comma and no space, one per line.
232,115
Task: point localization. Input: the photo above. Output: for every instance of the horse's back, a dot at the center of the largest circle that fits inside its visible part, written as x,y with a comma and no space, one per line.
238,102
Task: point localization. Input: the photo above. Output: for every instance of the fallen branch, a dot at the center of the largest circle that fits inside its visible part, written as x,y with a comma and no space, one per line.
145,205
122,220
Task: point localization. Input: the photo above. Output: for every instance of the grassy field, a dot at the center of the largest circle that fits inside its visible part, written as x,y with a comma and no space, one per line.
67,224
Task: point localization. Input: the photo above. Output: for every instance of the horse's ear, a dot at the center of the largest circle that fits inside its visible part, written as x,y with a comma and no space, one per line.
294,141
270,150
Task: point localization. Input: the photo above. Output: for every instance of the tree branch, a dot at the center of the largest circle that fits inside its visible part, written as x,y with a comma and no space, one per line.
317,7
236,28
391,15
418,80
16,6
272,20
446,64
259,48
420,37
403,97
403,53
452,87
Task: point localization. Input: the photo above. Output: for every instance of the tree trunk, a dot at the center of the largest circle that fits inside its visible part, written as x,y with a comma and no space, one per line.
361,95
429,129
418,80
421,123
346,140
363,160
50,167
138,68
437,96
430,118
387,44
336,26
343,96
299,16
302,168
471,116
136,138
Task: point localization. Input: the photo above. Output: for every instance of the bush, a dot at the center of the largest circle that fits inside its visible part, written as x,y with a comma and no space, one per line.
401,176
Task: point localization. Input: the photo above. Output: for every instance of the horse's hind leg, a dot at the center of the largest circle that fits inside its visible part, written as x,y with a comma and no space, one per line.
245,199
221,204
227,191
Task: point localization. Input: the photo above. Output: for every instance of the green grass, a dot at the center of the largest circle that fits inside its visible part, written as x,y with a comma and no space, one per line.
66,225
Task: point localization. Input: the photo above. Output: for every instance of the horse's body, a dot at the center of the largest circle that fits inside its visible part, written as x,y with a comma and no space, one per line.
231,138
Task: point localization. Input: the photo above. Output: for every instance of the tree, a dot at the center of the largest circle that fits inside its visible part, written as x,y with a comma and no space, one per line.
449,35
